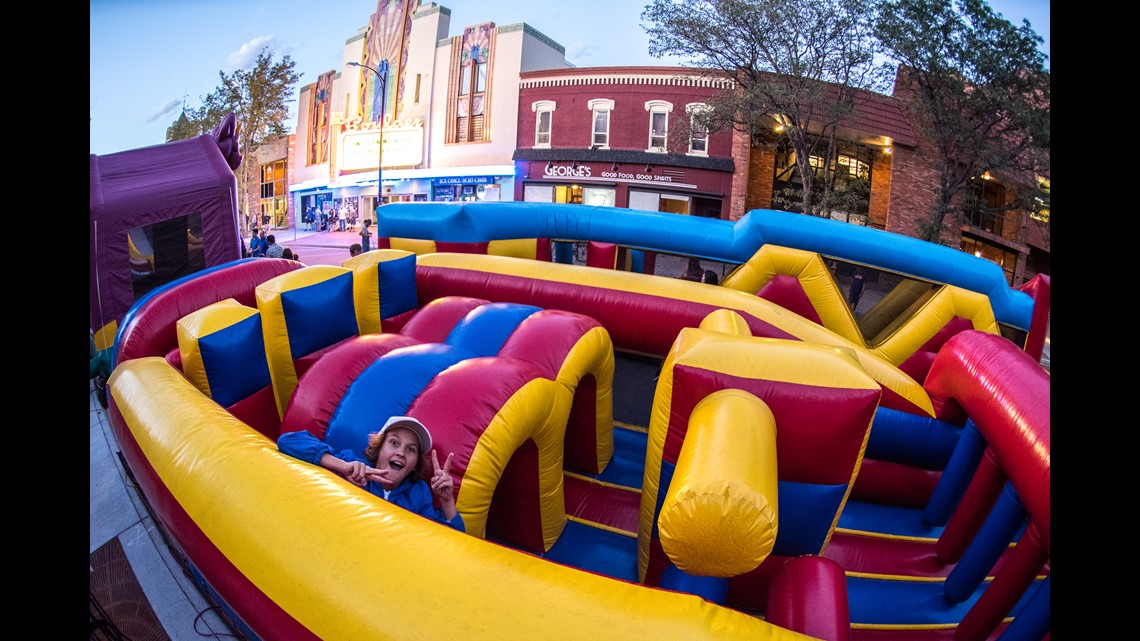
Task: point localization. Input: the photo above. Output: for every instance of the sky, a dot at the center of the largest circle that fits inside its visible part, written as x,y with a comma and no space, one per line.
148,57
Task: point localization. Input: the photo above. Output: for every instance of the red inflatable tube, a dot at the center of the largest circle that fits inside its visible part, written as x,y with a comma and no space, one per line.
808,594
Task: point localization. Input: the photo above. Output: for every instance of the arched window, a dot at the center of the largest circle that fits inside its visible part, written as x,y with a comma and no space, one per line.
601,108
543,121
658,124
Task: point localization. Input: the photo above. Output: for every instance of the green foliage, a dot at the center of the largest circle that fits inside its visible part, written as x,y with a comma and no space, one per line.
801,61
976,86
182,129
259,96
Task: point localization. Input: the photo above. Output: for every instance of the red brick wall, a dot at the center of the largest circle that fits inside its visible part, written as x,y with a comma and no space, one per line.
880,205
913,192
761,177
741,158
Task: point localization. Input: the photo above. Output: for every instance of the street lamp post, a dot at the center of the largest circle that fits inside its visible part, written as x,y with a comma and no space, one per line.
382,76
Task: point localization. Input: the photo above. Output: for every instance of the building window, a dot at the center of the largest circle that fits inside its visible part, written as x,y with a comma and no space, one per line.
274,194
320,99
469,112
848,167
543,119
850,172
698,131
1000,255
658,124
469,97
1040,209
986,205
601,109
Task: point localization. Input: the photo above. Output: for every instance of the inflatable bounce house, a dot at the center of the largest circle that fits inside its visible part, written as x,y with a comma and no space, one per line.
789,478
157,214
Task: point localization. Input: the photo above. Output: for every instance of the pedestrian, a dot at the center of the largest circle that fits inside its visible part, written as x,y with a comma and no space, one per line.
273,250
709,277
258,243
354,250
856,288
693,271
366,236
288,254
324,219
341,218
388,467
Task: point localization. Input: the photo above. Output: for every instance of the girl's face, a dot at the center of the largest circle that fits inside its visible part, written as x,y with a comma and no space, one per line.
399,452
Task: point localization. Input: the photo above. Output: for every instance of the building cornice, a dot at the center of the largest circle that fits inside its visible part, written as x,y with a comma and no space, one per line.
624,156
673,77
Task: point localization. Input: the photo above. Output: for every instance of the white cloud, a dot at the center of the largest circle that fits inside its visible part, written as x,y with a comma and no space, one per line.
165,110
578,51
245,56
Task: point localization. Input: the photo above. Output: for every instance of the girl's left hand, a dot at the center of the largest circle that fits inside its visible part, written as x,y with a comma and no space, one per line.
441,484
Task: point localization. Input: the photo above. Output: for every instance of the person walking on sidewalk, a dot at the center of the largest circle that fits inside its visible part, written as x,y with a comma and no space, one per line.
341,218
366,236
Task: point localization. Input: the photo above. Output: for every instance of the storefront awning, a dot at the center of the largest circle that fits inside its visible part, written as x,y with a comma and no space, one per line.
393,175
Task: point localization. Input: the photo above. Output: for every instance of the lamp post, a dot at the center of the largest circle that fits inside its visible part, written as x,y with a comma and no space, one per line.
382,76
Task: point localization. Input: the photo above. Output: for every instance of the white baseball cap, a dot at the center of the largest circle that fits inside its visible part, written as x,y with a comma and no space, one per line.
415,426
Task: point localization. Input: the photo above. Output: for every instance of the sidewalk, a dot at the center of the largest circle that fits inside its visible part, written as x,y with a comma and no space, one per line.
291,237
318,247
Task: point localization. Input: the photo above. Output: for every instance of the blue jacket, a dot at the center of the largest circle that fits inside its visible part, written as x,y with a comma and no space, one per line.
412,495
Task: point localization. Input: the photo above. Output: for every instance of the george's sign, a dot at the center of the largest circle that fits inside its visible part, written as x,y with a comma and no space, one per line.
563,171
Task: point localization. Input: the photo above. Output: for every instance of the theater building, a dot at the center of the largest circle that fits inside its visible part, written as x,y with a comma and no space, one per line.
445,105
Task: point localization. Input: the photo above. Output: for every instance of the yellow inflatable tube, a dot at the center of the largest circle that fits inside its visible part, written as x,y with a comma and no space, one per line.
720,514
346,565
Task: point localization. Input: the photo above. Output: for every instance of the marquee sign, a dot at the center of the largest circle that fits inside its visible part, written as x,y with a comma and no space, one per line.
359,140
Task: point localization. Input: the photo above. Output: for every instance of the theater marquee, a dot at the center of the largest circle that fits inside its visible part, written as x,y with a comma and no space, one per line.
403,143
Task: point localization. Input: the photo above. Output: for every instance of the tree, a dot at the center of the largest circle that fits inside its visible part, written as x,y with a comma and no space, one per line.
800,62
182,129
260,98
976,87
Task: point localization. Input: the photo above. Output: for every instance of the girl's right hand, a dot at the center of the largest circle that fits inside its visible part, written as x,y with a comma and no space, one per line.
355,471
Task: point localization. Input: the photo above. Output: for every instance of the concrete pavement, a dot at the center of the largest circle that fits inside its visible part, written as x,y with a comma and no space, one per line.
319,247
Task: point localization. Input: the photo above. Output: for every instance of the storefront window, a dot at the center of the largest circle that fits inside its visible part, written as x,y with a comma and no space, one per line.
274,195
599,196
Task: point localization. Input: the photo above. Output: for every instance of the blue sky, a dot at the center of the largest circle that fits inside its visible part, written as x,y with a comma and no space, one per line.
147,56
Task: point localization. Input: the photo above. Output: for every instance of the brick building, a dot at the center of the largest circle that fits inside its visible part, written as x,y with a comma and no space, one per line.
601,136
